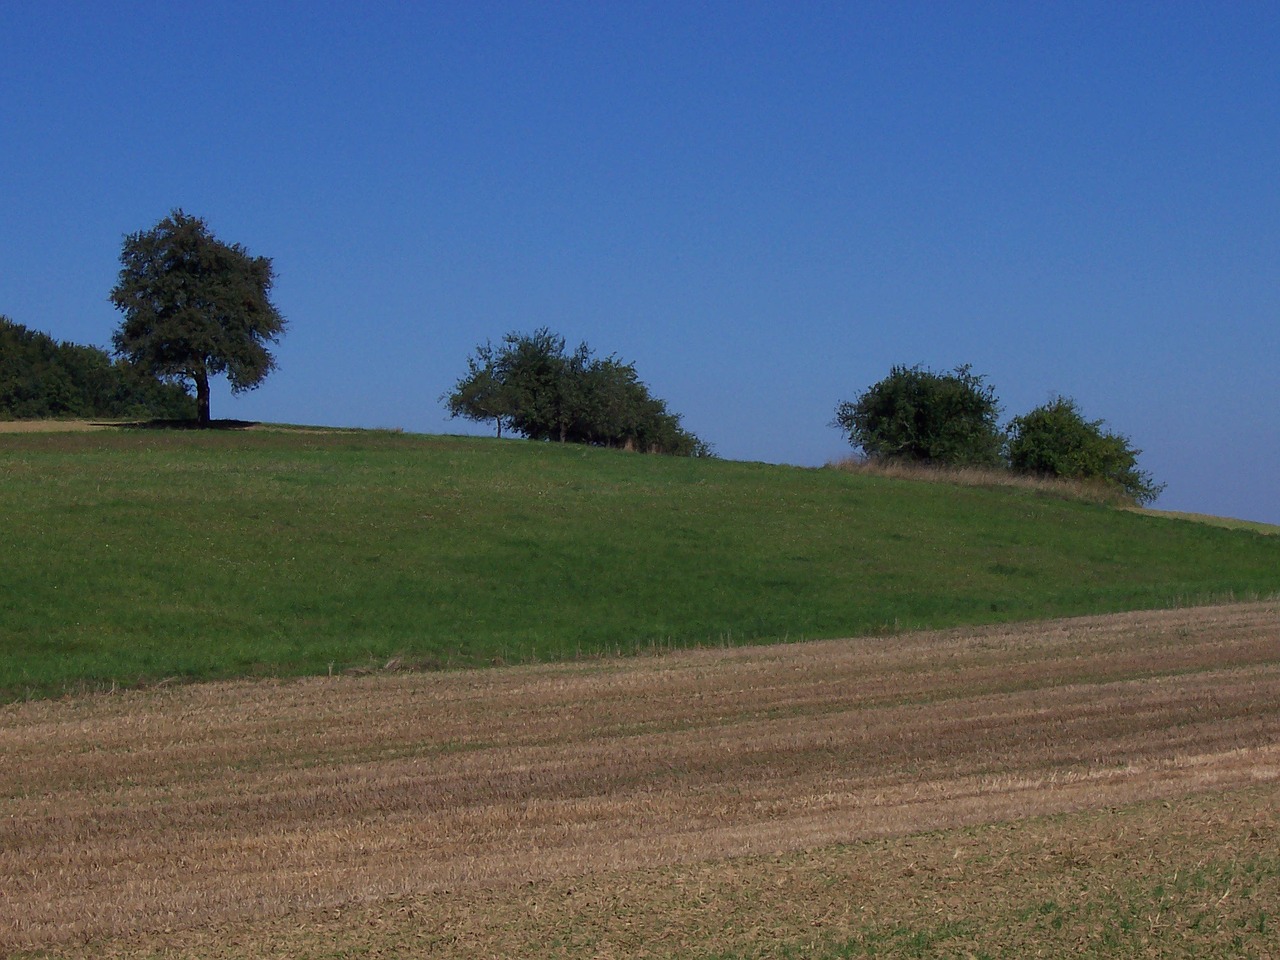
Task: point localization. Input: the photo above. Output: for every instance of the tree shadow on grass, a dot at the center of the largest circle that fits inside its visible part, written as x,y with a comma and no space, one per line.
184,425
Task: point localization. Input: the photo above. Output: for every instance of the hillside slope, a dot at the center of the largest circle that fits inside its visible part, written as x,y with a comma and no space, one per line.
138,555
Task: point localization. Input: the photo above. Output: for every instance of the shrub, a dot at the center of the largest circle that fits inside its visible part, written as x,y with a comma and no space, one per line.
920,416
532,386
1055,440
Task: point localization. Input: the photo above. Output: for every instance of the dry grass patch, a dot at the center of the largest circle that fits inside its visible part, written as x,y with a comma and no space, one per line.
1227,523
53,426
270,818
986,477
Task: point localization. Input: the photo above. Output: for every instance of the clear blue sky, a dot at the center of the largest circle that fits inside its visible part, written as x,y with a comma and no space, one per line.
764,206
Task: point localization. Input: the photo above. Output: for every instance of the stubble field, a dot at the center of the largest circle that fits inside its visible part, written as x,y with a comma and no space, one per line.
1098,786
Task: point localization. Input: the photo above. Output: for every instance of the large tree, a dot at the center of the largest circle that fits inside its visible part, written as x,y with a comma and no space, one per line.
921,416
195,307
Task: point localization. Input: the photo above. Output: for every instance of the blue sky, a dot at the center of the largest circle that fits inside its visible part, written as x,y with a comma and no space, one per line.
764,206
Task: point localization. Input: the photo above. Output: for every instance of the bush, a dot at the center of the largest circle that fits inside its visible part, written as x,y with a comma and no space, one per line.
531,386
1055,440
919,416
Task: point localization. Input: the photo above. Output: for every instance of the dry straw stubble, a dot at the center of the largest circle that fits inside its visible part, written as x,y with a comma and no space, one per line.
175,813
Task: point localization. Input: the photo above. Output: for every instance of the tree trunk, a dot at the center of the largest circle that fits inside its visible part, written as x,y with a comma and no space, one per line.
202,398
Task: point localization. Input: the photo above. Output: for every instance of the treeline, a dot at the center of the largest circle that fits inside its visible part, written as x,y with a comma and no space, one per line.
42,377
531,385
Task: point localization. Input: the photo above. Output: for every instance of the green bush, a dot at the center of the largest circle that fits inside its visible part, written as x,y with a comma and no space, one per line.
532,386
920,416
1055,440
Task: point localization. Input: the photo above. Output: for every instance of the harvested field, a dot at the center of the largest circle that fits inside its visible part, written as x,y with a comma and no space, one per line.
805,796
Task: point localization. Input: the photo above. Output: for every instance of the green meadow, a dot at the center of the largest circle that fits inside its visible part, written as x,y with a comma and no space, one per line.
137,556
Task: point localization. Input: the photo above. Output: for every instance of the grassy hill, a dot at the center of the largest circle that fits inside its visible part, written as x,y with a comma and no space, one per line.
139,555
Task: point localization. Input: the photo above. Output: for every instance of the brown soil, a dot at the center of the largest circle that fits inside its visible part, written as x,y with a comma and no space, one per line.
481,813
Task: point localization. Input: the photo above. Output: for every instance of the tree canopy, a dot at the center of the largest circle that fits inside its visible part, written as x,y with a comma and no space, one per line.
481,394
195,307
920,416
533,386
1055,440
42,377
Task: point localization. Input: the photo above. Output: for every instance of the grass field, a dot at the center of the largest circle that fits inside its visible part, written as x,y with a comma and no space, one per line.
140,556
1096,787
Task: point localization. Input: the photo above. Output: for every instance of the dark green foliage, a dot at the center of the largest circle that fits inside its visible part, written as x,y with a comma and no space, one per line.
195,307
920,416
1055,440
40,377
951,419
532,386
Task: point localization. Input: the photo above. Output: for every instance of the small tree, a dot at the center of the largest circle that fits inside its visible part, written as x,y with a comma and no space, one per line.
195,307
925,417
1055,440
482,394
